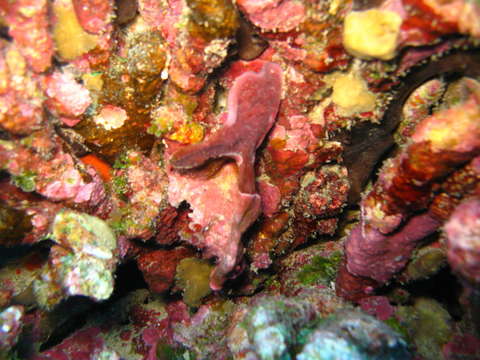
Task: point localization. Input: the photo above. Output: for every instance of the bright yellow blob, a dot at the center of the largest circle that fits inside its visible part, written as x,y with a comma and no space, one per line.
372,33
71,40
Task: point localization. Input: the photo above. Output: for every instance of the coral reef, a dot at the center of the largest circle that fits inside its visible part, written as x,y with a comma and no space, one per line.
249,179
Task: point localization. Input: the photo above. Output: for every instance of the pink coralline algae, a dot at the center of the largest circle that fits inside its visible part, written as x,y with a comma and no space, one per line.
280,15
28,24
66,97
252,106
20,105
133,329
94,15
466,345
220,214
86,344
463,240
377,306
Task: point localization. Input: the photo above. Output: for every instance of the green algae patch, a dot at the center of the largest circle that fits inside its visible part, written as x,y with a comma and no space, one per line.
193,277
25,181
167,352
426,314
393,323
426,263
120,185
320,270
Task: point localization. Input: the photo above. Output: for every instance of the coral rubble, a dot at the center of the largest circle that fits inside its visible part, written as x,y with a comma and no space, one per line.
249,179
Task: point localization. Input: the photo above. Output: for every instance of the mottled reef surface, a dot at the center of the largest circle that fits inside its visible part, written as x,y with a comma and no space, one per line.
240,179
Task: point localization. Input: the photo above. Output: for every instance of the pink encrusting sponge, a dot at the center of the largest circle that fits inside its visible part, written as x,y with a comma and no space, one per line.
253,104
225,205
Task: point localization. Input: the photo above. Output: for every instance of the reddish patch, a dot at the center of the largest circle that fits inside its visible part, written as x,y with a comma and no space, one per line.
169,223
143,318
270,196
332,57
93,15
266,240
286,162
159,267
178,312
28,25
465,347
422,25
240,67
126,335
79,346
378,306
351,287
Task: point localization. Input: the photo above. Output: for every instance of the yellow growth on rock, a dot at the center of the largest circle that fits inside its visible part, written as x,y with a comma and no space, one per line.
188,133
193,277
70,39
350,94
93,81
372,33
